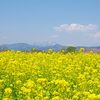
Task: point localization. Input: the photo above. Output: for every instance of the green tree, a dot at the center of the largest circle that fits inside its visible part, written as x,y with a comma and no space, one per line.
71,49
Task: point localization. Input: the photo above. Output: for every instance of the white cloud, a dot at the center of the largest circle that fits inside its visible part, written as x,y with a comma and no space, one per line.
76,28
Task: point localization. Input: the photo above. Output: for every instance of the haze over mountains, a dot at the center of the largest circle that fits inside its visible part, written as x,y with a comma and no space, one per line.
43,46
25,46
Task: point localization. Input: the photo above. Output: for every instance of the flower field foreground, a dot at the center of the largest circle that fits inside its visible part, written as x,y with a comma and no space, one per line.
44,76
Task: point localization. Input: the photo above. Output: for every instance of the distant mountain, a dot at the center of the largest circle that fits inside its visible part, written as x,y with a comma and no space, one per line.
28,47
16,46
43,46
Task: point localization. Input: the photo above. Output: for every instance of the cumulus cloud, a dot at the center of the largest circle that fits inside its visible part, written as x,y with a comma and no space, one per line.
76,28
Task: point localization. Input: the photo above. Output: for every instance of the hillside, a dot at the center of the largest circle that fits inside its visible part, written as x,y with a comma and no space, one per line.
45,47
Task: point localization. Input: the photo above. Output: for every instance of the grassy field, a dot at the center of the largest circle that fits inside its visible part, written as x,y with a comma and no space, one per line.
54,76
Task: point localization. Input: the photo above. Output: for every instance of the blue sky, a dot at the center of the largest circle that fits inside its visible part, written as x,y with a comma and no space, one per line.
67,22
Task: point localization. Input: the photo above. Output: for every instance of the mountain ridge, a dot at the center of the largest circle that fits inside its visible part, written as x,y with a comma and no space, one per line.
25,46
54,46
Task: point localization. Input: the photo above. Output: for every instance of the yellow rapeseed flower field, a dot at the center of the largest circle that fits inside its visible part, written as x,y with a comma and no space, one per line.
49,76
